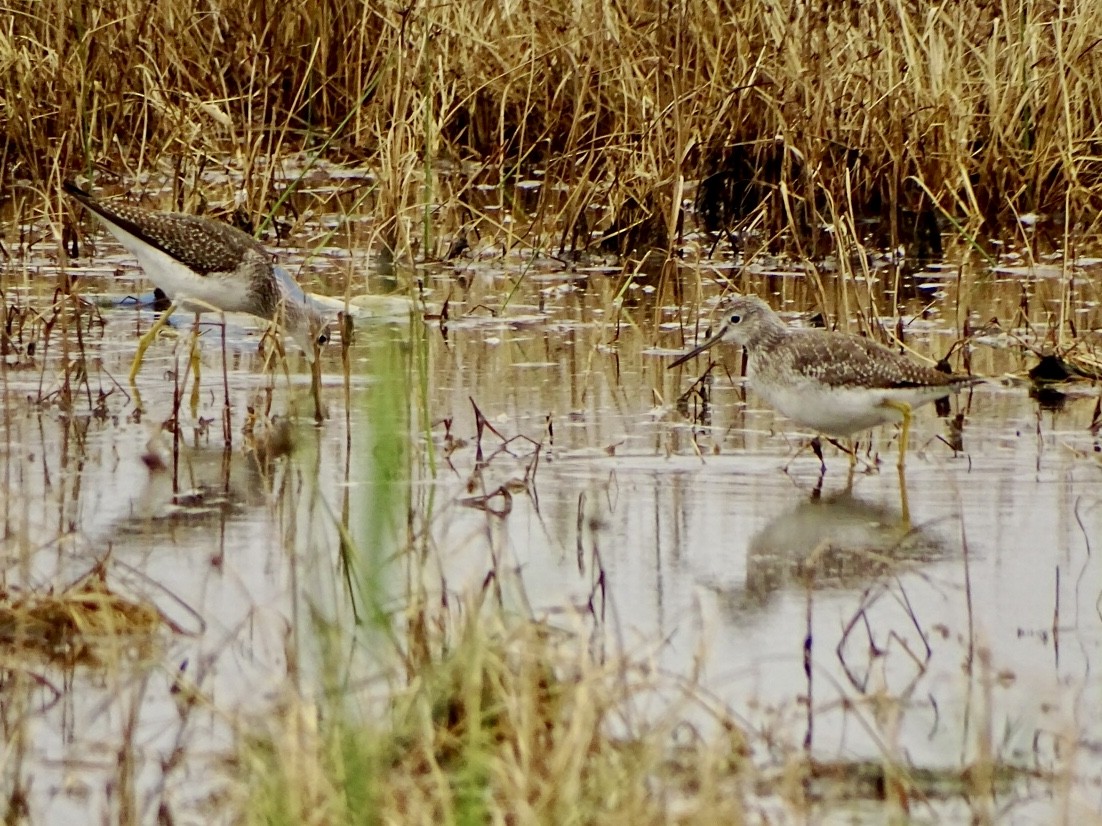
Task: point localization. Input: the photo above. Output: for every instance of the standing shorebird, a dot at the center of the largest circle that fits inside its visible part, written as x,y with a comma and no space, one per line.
832,382
207,265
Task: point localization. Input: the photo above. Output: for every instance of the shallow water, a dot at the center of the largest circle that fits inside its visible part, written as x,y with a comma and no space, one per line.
684,542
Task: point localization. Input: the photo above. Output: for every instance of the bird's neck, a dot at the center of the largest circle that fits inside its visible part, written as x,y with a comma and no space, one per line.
770,334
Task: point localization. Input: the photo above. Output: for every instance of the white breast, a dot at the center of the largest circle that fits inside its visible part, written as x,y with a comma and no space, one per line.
842,411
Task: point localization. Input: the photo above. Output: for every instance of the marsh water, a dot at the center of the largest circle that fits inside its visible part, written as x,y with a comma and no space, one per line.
547,446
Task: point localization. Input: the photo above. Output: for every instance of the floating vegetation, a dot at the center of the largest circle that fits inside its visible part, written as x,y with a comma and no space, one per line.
84,623
1066,366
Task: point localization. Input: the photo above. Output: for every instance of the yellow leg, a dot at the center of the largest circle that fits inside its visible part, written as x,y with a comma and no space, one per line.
194,362
905,508
147,339
852,468
905,411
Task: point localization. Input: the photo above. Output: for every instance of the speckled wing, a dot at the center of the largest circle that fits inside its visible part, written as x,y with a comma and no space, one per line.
844,360
200,244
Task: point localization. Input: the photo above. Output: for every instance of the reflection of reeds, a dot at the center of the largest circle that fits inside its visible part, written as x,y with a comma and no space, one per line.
795,120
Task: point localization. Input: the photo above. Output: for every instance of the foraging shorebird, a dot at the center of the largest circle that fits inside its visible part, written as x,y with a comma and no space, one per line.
832,382
207,265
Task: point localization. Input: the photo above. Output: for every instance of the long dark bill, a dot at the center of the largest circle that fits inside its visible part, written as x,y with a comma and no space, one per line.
700,348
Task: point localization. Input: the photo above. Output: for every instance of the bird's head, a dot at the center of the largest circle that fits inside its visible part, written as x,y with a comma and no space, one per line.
307,326
742,321
299,316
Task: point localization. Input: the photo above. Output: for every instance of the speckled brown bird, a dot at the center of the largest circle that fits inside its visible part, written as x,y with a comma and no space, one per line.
208,265
832,382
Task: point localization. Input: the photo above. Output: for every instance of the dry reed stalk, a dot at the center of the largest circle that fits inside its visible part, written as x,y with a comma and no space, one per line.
972,110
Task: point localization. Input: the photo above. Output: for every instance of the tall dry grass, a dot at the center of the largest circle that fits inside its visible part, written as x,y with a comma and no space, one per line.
793,114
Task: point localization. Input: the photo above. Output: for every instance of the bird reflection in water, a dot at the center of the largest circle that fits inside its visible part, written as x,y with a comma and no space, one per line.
836,541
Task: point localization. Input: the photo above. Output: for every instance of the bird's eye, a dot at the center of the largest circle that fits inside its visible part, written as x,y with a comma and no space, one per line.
323,339
735,318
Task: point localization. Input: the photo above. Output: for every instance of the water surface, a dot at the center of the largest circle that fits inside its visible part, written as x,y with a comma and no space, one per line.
962,609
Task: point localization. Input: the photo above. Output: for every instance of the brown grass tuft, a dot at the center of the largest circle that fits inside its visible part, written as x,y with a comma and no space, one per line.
85,623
